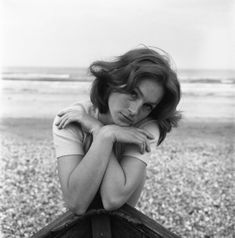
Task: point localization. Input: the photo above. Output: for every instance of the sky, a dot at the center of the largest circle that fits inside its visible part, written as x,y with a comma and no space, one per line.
72,33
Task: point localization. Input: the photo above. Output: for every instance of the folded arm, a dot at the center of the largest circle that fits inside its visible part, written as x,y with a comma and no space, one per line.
121,180
80,176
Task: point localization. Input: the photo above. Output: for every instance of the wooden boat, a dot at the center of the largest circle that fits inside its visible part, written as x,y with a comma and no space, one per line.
125,222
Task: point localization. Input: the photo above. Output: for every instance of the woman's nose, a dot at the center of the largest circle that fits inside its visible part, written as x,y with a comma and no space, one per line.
134,108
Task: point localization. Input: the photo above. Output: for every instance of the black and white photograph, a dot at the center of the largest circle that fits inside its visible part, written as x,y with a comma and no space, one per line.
117,118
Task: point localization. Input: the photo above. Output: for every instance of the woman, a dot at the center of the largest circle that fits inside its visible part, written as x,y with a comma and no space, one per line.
103,146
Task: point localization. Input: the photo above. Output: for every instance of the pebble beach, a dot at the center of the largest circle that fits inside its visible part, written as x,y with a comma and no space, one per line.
190,177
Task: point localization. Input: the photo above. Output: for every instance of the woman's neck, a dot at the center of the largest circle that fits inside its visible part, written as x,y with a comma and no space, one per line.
105,118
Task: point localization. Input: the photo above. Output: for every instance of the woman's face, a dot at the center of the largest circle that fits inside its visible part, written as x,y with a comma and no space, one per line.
126,109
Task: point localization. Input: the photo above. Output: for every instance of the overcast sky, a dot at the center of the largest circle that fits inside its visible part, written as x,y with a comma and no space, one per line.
196,33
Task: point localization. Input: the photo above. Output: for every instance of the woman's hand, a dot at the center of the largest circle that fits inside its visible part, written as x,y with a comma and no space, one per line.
130,135
78,114
69,115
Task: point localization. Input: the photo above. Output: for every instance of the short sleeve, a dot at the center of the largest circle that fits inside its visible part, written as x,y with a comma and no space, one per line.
67,141
132,150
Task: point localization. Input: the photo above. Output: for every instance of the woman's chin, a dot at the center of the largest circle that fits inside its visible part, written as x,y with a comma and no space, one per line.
122,123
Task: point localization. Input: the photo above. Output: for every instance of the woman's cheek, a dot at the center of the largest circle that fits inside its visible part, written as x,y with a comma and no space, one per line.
143,115
126,102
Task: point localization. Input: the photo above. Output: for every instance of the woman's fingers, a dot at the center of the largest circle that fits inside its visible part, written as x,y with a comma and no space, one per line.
66,118
60,114
132,135
142,142
145,147
58,121
66,122
71,115
63,122
63,112
146,133
148,148
141,148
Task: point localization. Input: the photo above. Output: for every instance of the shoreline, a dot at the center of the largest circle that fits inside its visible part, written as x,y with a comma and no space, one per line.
22,99
88,79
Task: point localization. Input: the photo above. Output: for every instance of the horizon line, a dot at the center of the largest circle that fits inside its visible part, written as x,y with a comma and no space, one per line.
86,67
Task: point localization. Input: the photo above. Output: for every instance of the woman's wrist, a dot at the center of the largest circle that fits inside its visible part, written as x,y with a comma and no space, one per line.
107,132
94,131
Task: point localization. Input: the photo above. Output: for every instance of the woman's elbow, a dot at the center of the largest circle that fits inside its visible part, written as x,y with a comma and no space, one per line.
77,210
110,204
74,207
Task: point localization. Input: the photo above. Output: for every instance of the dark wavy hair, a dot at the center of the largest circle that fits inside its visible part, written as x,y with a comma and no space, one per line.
123,75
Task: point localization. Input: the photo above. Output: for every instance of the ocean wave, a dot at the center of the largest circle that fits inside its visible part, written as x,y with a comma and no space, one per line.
208,80
81,74
34,76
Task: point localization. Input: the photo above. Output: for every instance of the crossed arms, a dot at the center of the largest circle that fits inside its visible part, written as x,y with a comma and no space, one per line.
81,176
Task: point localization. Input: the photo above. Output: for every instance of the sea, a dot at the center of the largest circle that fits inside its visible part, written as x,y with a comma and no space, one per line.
81,74
205,93
194,82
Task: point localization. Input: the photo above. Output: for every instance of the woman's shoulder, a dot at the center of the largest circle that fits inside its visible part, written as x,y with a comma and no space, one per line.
151,126
88,107
147,122
71,130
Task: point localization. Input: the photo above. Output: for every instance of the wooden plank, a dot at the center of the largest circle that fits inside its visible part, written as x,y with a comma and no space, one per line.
60,221
102,219
101,227
152,226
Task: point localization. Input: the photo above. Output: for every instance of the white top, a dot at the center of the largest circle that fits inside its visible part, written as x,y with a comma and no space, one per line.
74,140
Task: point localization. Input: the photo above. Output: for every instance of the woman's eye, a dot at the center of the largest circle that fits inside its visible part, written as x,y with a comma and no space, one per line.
133,94
148,107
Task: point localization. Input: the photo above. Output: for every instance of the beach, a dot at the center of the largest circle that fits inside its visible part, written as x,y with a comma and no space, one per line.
189,187
43,99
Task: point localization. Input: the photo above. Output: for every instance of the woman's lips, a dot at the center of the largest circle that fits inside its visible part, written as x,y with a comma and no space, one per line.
127,118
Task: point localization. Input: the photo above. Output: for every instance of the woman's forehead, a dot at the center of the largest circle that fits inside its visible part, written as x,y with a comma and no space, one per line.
151,90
